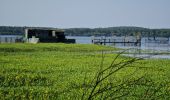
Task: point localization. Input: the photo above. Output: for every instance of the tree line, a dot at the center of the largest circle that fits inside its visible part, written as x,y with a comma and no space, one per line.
118,31
110,31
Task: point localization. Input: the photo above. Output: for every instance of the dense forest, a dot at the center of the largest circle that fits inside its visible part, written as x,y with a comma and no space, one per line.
118,31
110,31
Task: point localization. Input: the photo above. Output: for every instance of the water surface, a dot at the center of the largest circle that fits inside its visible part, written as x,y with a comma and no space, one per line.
149,48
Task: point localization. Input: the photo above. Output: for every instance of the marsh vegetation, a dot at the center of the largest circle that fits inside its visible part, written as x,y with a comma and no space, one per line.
76,71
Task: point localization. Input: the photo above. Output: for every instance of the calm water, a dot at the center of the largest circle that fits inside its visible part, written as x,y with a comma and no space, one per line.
10,38
10,35
81,39
147,45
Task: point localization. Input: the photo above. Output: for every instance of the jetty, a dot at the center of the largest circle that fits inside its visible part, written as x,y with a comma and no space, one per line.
130,40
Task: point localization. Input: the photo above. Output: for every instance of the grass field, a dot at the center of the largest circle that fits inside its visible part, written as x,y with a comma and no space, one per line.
58,71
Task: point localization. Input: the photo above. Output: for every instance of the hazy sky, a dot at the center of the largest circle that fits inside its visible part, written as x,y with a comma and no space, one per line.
85,13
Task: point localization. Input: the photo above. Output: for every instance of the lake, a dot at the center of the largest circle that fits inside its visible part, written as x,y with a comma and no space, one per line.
10,38
149,48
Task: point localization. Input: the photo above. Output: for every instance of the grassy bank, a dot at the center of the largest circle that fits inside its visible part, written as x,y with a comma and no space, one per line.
57,71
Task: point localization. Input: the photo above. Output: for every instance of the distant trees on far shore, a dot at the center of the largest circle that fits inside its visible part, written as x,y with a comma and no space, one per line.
118,31
110,31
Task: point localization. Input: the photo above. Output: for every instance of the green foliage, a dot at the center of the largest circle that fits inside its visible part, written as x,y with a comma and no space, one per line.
57,71
104,86
119,31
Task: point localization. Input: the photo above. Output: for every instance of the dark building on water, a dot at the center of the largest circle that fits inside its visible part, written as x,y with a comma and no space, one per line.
35,35
46,35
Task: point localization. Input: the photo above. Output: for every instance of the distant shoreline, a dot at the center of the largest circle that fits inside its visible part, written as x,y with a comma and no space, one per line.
110,31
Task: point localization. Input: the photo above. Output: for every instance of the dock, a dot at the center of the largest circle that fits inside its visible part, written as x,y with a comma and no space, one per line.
126,40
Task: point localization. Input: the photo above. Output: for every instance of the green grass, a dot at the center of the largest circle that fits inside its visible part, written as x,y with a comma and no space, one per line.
53,71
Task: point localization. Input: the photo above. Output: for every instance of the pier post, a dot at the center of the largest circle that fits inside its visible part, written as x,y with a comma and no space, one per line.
100,43
26,35
104,41
92,39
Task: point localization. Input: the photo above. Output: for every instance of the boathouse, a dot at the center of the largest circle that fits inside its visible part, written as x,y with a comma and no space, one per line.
46,35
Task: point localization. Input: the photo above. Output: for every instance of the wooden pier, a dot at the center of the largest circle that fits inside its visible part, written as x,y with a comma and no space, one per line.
104,41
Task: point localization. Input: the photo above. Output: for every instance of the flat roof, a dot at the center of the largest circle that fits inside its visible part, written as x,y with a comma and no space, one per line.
44,28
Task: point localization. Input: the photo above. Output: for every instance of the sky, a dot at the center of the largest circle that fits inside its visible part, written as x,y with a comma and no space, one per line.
85,13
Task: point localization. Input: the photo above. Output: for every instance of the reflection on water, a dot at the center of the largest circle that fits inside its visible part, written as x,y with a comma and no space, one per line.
150,47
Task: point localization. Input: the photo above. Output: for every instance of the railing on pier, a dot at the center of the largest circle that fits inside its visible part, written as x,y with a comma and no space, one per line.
117,40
